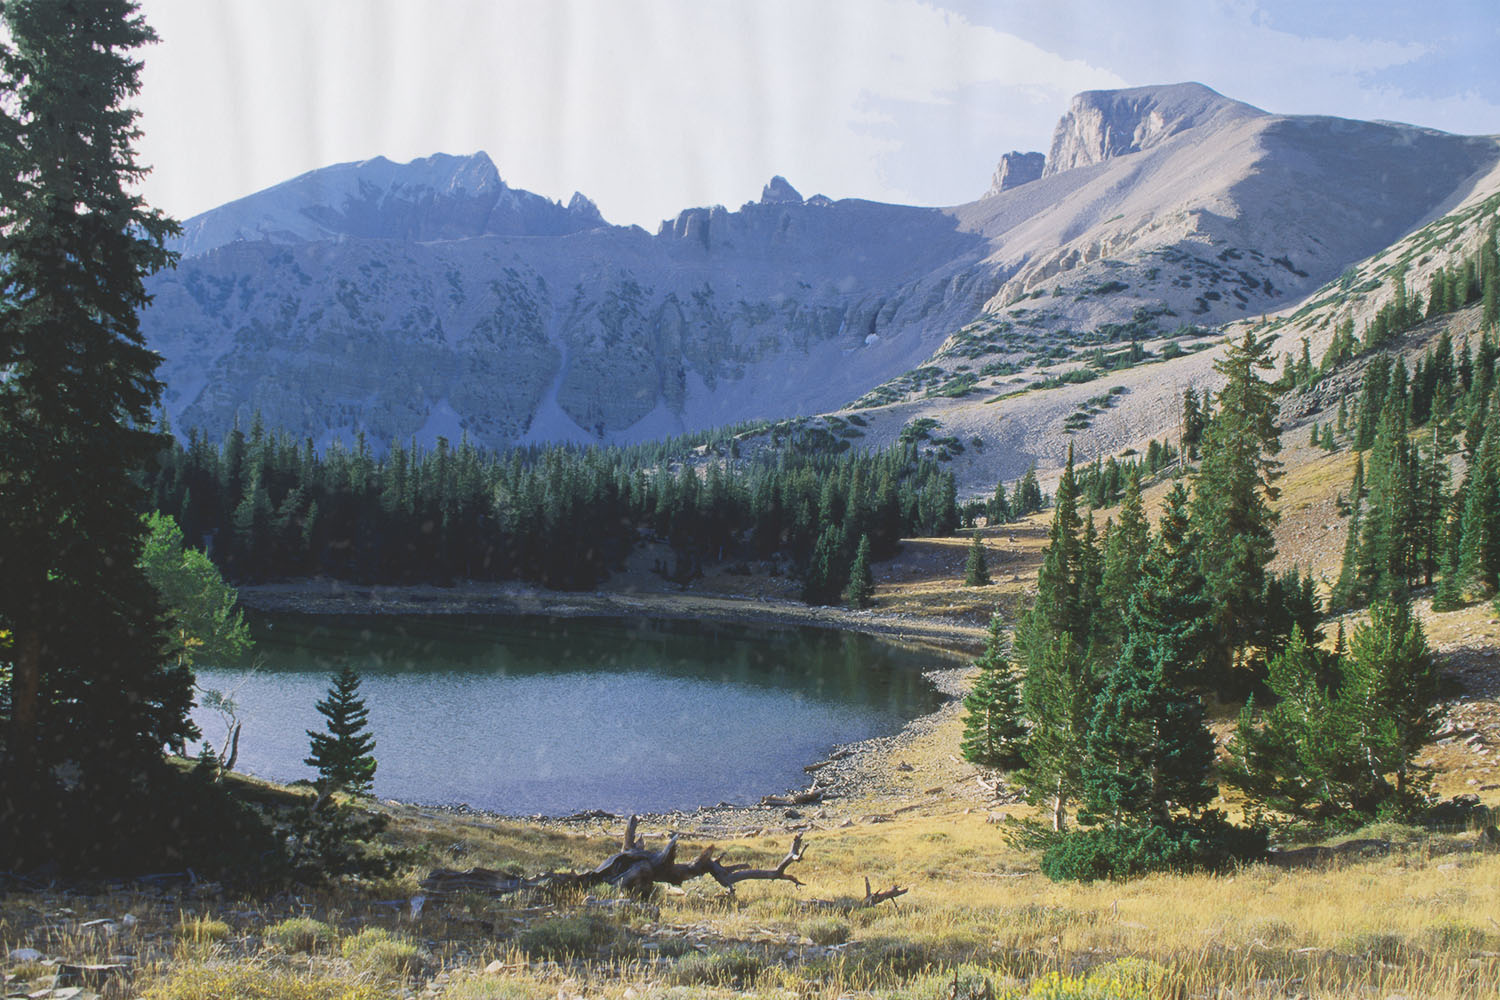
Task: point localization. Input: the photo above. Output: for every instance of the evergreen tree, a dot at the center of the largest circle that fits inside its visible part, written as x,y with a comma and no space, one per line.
1392,685
1388,529
343,756
1342,722
1194,420
1028,494
1231,505
1052,641
89,689
1149,751
999,510
976,570
1124,553
1345,588
1298,757
994,730
861,590
1479,552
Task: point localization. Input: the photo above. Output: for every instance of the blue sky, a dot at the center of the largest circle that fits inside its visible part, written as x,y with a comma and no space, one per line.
650,106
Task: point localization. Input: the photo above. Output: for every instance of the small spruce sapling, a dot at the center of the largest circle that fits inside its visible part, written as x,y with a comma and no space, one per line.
343,756
976,570
994,731
861,590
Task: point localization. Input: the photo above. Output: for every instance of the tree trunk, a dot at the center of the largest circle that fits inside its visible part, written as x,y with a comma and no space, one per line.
1059,813
231,752
26,688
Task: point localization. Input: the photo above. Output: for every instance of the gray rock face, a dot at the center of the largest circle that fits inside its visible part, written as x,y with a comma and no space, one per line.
779,192
1101,124
430,299
440,197
1015,169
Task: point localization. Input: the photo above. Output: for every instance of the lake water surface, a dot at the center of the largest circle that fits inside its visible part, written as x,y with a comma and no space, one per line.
527,715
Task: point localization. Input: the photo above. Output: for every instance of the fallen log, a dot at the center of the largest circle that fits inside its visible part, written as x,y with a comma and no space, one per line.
633,868
808,797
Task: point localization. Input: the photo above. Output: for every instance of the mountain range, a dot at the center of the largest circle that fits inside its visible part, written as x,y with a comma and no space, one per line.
430,298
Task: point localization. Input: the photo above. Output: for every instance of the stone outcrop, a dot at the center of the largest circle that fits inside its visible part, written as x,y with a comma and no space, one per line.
1101,124
1015,169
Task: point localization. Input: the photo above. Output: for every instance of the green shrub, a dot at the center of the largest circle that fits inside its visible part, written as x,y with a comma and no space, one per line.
300,934
375,949
254,982
1118,852
1460,939
827,930
568,937
202,930
735,968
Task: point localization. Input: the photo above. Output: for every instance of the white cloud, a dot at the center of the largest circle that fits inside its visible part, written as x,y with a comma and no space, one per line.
648,106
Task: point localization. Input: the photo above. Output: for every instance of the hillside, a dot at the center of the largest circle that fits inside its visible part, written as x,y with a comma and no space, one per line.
432,299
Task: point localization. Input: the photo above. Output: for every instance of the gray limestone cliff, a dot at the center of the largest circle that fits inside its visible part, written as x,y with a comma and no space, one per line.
1101,124
1017,168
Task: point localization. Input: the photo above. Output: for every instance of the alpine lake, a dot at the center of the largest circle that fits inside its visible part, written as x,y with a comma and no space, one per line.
541,715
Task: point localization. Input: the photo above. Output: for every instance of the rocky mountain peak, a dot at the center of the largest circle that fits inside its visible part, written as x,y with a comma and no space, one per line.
1016,168
1101,124
778,192
584,209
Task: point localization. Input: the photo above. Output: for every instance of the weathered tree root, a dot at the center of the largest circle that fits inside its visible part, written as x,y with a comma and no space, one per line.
634,869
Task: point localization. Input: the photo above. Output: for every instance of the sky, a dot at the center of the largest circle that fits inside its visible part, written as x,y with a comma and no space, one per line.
652,106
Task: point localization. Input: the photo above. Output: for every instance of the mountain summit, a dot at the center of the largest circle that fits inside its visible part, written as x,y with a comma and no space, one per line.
439,197
1101,124
431,299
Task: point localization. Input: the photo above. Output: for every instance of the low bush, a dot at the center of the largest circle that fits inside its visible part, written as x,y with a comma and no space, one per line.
827,930
737,968
300,934
202,930
573,936
255,982
1119,852
375,949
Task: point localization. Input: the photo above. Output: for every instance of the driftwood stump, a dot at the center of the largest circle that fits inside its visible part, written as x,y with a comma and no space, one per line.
633,868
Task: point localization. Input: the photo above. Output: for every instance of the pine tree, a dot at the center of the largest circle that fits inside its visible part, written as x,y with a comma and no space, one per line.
976,570
861,590
1479,552
994,730
89,689
1052,641
1392,686
343,756
1149,751
1028,495
1388,529
1342,722
999,511
1299,755
1232,494
1124,553
1194,420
